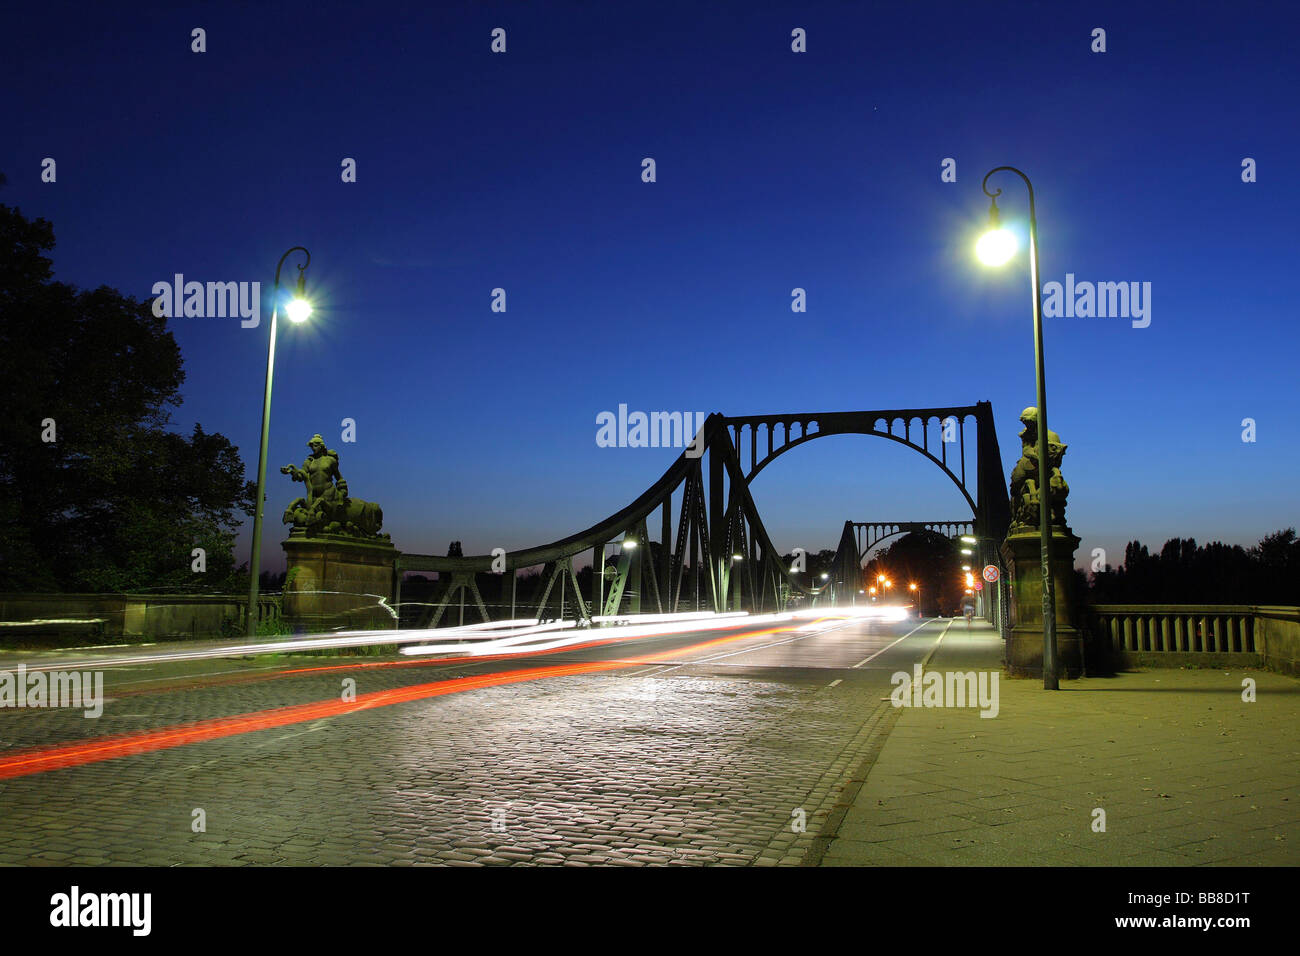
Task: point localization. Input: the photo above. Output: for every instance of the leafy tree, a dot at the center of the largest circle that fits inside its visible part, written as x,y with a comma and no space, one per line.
115,501
927,559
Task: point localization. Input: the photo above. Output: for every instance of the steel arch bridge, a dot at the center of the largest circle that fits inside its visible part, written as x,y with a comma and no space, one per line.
717,554
868,534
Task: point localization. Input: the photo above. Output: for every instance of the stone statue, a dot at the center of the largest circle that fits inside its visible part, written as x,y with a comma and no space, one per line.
1057,488
327,509
1026,484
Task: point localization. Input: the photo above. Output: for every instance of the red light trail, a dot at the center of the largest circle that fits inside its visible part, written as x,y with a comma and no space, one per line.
21,763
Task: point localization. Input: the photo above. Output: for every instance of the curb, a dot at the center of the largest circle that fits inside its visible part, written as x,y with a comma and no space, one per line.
884,717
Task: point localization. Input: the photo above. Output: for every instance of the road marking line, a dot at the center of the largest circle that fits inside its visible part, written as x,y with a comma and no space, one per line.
888,646
834,682
926,663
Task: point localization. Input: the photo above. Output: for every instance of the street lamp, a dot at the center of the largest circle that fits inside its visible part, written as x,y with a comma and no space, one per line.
990,247
298,311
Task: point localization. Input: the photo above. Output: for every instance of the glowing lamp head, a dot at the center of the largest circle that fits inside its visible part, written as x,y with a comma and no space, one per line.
997,245
298,310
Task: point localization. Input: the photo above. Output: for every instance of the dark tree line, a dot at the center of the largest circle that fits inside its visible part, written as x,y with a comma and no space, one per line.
808,571
97,493
1215,573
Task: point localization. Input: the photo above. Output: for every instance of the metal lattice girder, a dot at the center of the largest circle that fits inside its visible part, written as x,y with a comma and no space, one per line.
561,572
461,582
678,558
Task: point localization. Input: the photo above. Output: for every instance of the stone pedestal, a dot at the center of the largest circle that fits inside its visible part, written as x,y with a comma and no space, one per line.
338,582
1022,553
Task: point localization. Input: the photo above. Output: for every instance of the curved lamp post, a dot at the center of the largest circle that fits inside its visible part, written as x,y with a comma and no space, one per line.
994,248
298,310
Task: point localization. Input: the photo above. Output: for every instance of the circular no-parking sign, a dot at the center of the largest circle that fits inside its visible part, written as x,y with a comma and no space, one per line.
990,573
979,586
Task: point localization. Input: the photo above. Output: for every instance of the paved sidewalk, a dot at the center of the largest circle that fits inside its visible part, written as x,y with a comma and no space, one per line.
1186,771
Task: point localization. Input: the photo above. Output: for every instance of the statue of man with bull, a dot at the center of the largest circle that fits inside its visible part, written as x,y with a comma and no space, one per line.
327,509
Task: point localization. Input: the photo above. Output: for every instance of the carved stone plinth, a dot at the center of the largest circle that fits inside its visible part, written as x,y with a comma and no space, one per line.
336,581
1022,554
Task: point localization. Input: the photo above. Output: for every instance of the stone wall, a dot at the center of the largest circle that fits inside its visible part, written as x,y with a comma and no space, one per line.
1279,628
106,618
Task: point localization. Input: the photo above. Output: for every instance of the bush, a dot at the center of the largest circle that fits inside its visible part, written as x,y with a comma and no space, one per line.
275,627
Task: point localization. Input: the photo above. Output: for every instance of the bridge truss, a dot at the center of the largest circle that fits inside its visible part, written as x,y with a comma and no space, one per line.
716,555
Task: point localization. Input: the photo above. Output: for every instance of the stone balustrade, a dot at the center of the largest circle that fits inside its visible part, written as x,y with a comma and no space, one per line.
1176,634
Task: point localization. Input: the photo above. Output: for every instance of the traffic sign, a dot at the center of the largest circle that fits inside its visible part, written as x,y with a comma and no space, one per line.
979,585
990,573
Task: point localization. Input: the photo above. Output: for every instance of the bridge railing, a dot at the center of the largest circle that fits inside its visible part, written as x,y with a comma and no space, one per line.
1182,628
1167,633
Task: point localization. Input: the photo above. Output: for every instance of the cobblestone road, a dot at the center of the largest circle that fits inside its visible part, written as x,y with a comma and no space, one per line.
718,762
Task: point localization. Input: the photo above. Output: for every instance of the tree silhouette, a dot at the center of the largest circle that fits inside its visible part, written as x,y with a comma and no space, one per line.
1215,573
96,493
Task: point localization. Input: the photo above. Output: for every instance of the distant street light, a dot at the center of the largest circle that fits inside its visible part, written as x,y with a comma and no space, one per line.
994,249
298,311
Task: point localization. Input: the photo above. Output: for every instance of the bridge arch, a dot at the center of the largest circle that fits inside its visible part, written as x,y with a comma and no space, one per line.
910,427
869,534
803,439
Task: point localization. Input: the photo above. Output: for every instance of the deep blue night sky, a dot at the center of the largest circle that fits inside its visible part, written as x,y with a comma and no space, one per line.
775,170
